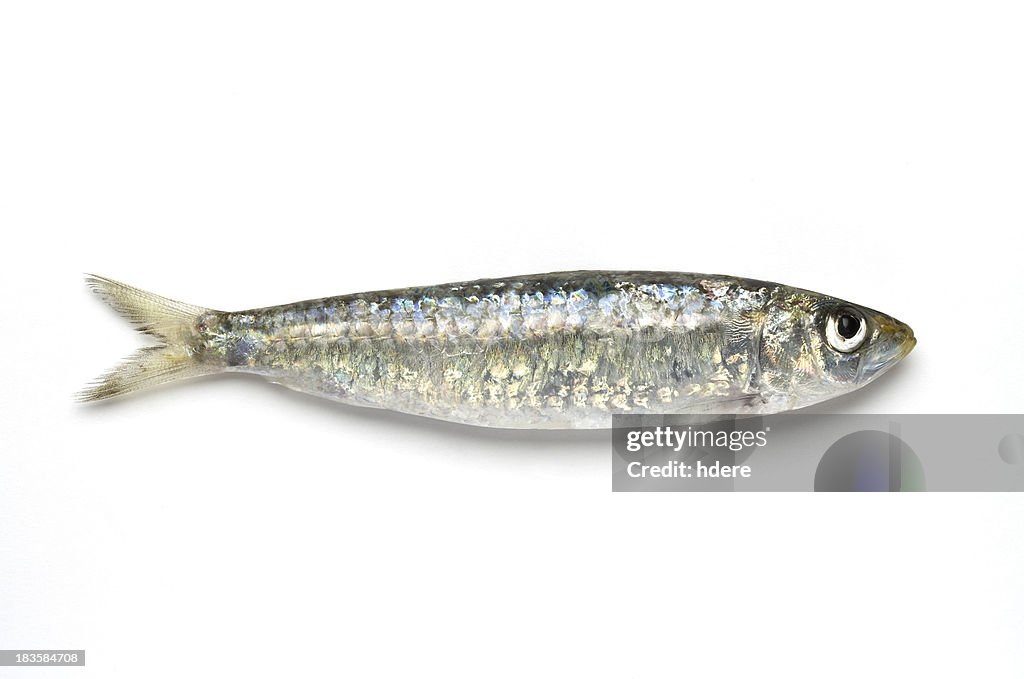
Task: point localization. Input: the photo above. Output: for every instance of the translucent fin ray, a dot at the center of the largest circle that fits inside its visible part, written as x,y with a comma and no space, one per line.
173,323
148,367
159,316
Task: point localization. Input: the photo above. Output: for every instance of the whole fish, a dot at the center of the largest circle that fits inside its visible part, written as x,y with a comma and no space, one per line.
558,350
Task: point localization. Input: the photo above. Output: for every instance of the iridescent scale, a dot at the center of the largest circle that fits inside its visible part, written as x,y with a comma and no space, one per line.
559,350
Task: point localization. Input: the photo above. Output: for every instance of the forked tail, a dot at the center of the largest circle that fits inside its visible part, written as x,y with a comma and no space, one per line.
173,323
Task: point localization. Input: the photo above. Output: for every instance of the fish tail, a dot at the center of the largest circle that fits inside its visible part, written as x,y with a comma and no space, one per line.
174,324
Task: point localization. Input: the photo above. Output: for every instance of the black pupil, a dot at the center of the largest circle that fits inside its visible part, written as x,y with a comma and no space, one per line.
847,326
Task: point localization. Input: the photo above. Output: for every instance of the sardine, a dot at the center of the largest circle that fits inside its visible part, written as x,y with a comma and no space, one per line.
558,350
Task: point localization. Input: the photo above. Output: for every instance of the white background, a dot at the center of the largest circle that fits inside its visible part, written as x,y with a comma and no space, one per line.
245,154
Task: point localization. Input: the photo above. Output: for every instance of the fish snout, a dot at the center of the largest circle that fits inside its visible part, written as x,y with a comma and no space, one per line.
894,341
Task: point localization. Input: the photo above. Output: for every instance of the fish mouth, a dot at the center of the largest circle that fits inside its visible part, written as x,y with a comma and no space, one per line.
908,346
898,343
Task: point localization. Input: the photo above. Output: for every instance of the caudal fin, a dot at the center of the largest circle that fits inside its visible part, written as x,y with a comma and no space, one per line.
172,323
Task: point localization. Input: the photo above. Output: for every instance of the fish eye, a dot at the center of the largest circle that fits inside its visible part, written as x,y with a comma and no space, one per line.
846,330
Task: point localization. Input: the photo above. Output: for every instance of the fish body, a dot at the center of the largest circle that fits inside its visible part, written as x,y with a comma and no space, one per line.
559,350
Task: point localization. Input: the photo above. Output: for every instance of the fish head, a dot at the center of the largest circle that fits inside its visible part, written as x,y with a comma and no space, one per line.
814,347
